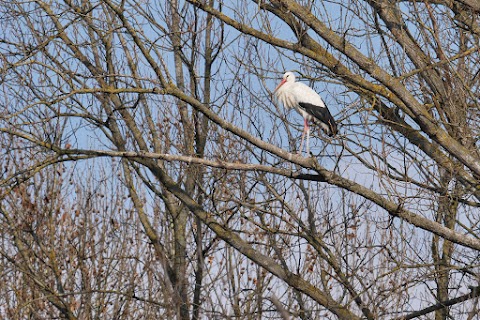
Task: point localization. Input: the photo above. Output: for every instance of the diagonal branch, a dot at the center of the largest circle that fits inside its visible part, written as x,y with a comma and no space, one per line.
322,175
474,293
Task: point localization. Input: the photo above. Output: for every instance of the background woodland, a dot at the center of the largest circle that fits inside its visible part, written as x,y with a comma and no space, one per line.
148,173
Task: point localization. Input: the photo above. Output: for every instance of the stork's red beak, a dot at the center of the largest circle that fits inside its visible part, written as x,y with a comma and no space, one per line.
280,84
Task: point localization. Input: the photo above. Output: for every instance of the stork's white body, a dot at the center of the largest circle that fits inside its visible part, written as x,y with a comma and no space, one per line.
310,105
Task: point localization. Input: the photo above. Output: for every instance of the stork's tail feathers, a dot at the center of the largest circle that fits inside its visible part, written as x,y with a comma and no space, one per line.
332,128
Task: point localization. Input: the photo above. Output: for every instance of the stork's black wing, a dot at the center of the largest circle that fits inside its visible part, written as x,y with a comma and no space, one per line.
322,115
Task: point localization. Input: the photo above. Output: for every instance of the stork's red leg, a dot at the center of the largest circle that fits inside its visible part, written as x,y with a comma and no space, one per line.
305,130
308,139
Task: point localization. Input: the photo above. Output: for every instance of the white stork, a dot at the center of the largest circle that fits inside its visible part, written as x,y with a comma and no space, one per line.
310,105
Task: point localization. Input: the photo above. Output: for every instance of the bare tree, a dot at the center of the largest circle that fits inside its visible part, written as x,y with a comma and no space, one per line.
148,171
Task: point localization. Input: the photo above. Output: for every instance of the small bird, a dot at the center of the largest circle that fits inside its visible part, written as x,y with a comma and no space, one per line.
310,105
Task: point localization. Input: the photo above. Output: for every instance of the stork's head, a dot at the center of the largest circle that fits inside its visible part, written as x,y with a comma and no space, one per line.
287,77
